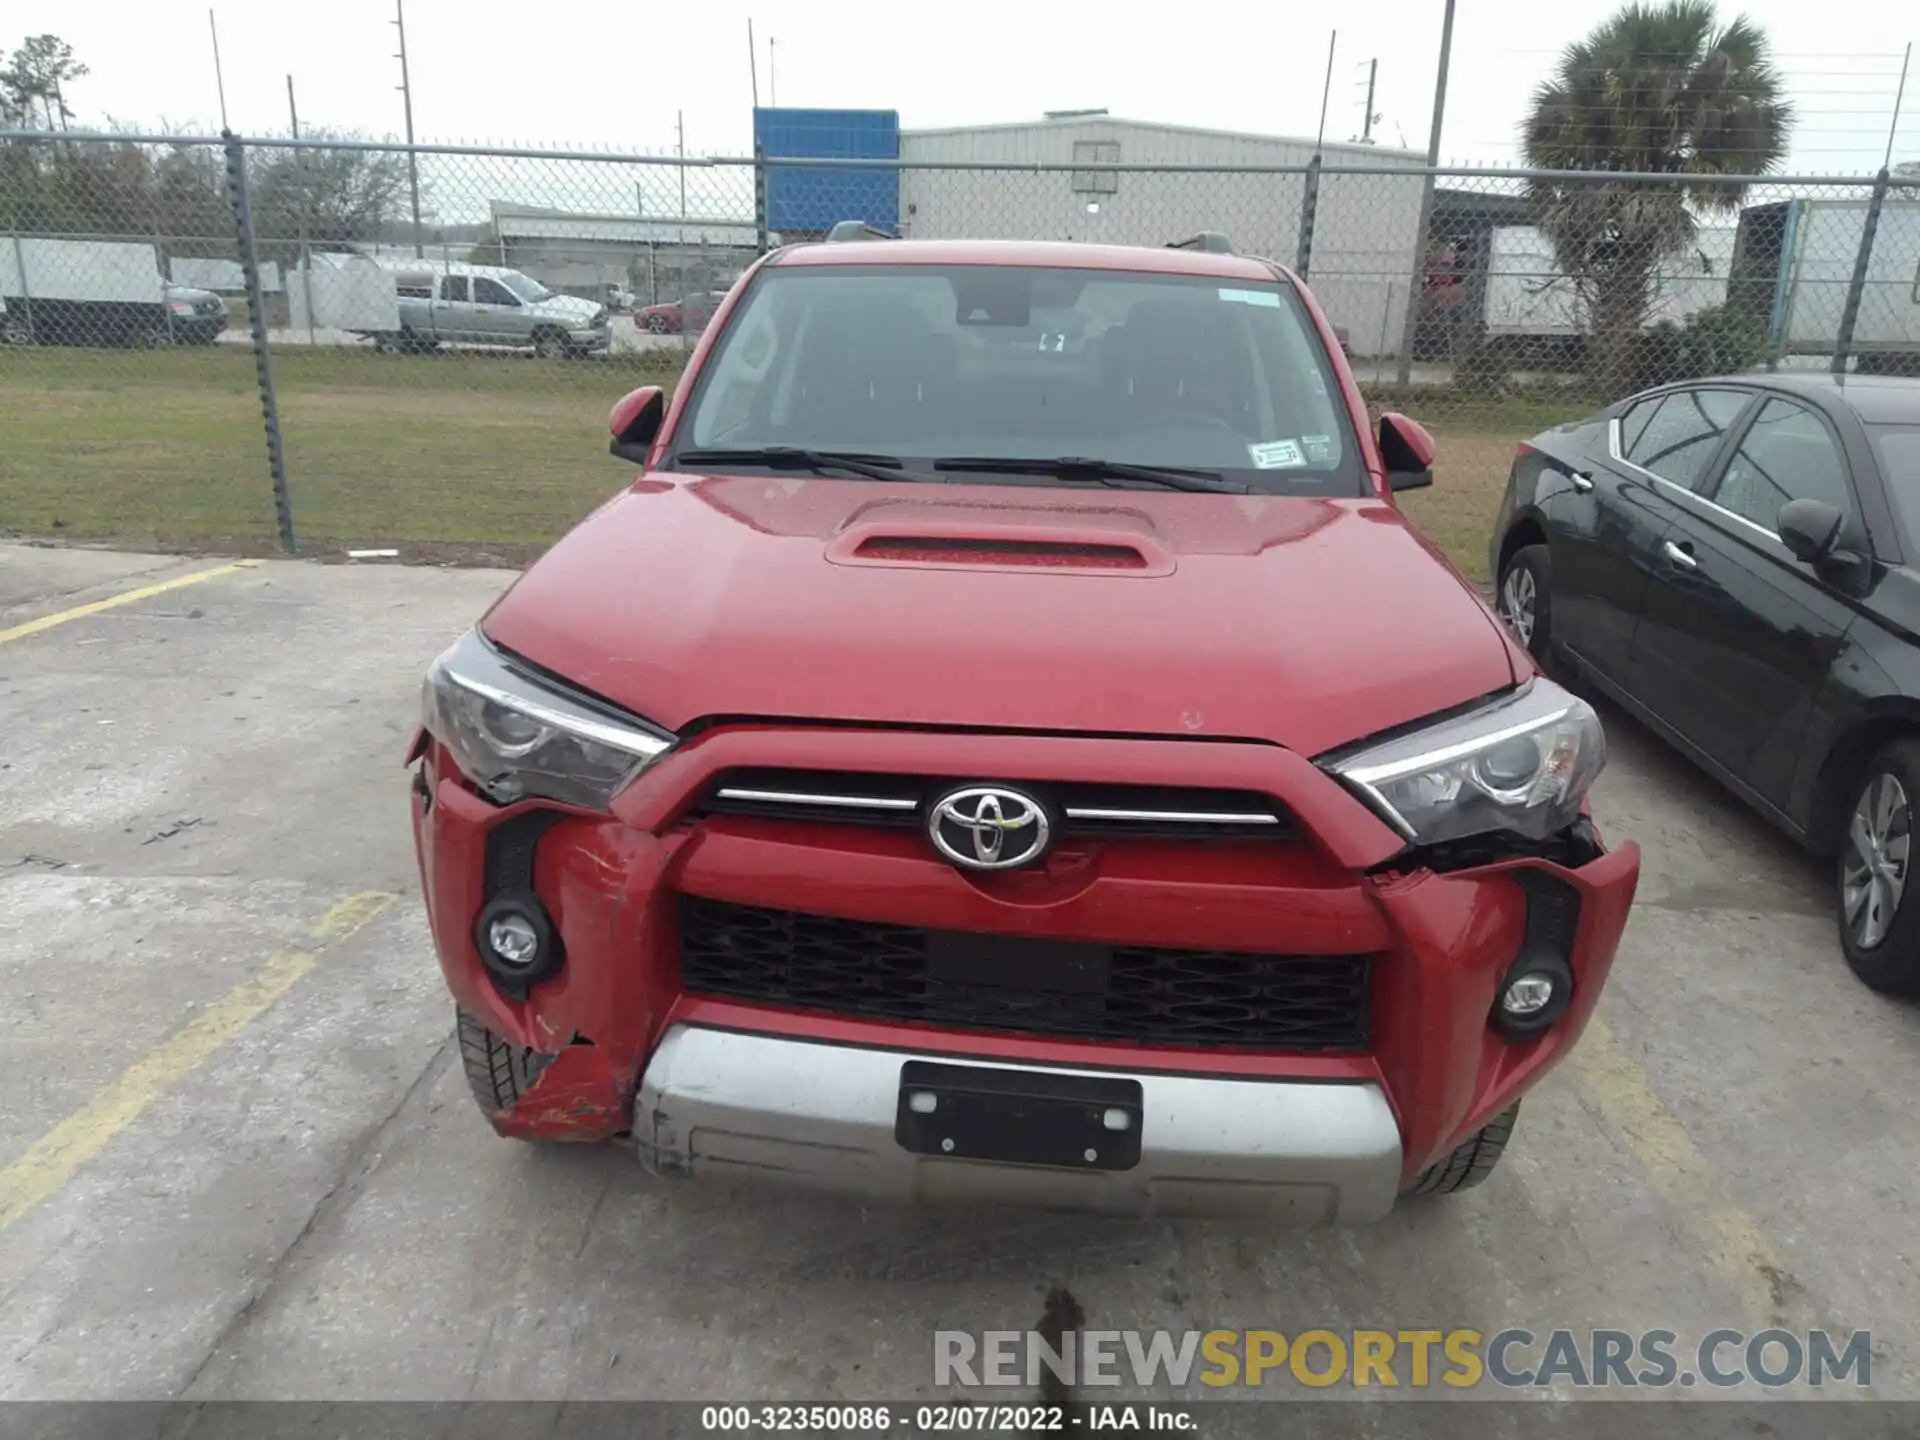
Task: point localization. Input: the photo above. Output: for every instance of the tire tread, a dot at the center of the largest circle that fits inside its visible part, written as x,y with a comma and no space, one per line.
1472,1160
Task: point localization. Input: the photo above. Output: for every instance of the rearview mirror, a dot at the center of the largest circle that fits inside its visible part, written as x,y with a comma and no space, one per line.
1810,529
634,421
1407,450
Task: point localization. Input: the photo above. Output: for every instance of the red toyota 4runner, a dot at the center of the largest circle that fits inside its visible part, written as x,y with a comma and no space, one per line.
1008,745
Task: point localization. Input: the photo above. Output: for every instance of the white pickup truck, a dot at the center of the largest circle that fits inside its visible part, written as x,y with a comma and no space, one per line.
454,304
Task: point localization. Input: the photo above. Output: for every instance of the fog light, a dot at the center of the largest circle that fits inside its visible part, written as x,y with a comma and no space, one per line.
1534,993
1528,995
517,942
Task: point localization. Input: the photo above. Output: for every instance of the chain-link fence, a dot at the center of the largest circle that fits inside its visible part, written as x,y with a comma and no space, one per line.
435,335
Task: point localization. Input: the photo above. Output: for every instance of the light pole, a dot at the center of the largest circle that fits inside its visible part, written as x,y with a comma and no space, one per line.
1418,287
406,100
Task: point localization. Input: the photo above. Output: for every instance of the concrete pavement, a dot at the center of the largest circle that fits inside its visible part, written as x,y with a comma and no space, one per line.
238,1158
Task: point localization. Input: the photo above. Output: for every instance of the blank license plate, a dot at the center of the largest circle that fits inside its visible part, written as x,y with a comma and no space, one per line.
1025,1117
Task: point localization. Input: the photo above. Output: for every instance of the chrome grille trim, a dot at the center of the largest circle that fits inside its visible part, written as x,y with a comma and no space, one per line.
1173,817
794,797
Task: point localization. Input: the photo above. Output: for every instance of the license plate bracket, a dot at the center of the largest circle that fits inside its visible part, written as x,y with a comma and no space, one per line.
1023,1117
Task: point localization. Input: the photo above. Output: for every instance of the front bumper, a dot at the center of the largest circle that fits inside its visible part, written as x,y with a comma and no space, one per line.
618,1019
198,329
719,1104
591,339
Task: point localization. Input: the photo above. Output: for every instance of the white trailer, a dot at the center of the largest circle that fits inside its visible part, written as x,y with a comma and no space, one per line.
81,292
1796,264
1529,294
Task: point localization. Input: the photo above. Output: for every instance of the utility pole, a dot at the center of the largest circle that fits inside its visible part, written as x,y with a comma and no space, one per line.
219,80
680,121
300,168
406,100
1326,91
1899,99
773,78
1405,376
1366,124
1310,186
753,64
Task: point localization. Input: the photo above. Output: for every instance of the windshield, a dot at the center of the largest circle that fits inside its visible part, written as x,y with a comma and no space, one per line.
1899,447
925,362
529,290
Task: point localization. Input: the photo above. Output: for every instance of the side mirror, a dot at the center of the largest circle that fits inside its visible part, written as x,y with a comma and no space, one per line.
634,421
1408,451
1810,529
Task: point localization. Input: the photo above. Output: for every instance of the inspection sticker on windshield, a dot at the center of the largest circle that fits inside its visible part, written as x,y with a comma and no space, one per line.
1319,447
1252,297
1275,455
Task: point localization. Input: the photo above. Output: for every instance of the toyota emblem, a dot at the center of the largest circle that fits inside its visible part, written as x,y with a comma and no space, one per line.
989,827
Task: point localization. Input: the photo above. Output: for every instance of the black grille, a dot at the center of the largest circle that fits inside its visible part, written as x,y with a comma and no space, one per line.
892,972
901,801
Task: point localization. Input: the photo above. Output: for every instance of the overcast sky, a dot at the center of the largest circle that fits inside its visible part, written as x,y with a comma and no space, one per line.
613,73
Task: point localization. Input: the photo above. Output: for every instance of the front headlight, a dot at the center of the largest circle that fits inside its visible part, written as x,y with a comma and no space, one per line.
1523,763
517,736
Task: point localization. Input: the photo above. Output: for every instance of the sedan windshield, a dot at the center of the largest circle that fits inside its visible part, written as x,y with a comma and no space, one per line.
1084,374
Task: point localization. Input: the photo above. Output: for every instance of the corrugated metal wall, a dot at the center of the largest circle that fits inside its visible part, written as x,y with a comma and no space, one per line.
1364,230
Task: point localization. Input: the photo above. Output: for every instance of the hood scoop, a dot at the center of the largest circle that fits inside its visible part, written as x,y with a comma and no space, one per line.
969,544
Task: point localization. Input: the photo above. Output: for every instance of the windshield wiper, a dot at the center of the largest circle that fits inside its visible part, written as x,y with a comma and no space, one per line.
1107,472
792,457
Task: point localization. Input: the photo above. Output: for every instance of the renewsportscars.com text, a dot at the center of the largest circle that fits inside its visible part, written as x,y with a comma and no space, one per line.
1414,1359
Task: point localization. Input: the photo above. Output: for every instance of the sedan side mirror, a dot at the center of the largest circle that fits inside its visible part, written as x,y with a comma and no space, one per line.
1408,451
634,422
1810,529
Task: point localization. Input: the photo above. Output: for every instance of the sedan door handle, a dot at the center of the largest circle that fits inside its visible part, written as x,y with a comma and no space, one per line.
1582,483
1684,558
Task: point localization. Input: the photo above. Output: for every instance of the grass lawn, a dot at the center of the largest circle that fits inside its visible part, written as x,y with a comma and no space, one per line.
456,458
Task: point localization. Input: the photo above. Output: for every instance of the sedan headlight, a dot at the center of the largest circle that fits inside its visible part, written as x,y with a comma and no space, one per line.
516,735
1523,763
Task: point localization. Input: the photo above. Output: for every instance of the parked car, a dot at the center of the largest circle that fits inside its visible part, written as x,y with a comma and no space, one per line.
1734,562
672,317
1009,746
184,315
194,316
443,304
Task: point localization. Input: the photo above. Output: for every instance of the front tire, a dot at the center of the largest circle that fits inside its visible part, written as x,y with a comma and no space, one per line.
1523,597
498,1073
1472,1160
656,324
552,345
1878,912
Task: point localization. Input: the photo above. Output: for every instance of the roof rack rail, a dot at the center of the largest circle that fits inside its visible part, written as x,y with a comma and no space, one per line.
856,230
1212,241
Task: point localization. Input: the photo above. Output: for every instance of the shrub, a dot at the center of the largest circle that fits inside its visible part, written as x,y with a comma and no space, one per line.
1722,341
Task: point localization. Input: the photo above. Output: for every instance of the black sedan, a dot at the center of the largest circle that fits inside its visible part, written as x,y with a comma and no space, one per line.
1737,563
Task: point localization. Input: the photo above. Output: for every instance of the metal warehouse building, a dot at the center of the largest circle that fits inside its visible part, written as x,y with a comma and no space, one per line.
1363,236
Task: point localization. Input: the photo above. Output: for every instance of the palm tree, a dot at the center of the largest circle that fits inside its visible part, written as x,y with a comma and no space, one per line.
1660,88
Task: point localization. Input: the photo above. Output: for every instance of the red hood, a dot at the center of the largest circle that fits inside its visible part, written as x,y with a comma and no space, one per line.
1307,623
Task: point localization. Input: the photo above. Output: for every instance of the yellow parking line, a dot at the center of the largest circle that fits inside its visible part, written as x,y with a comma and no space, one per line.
125,597
1729,1237
53,1159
